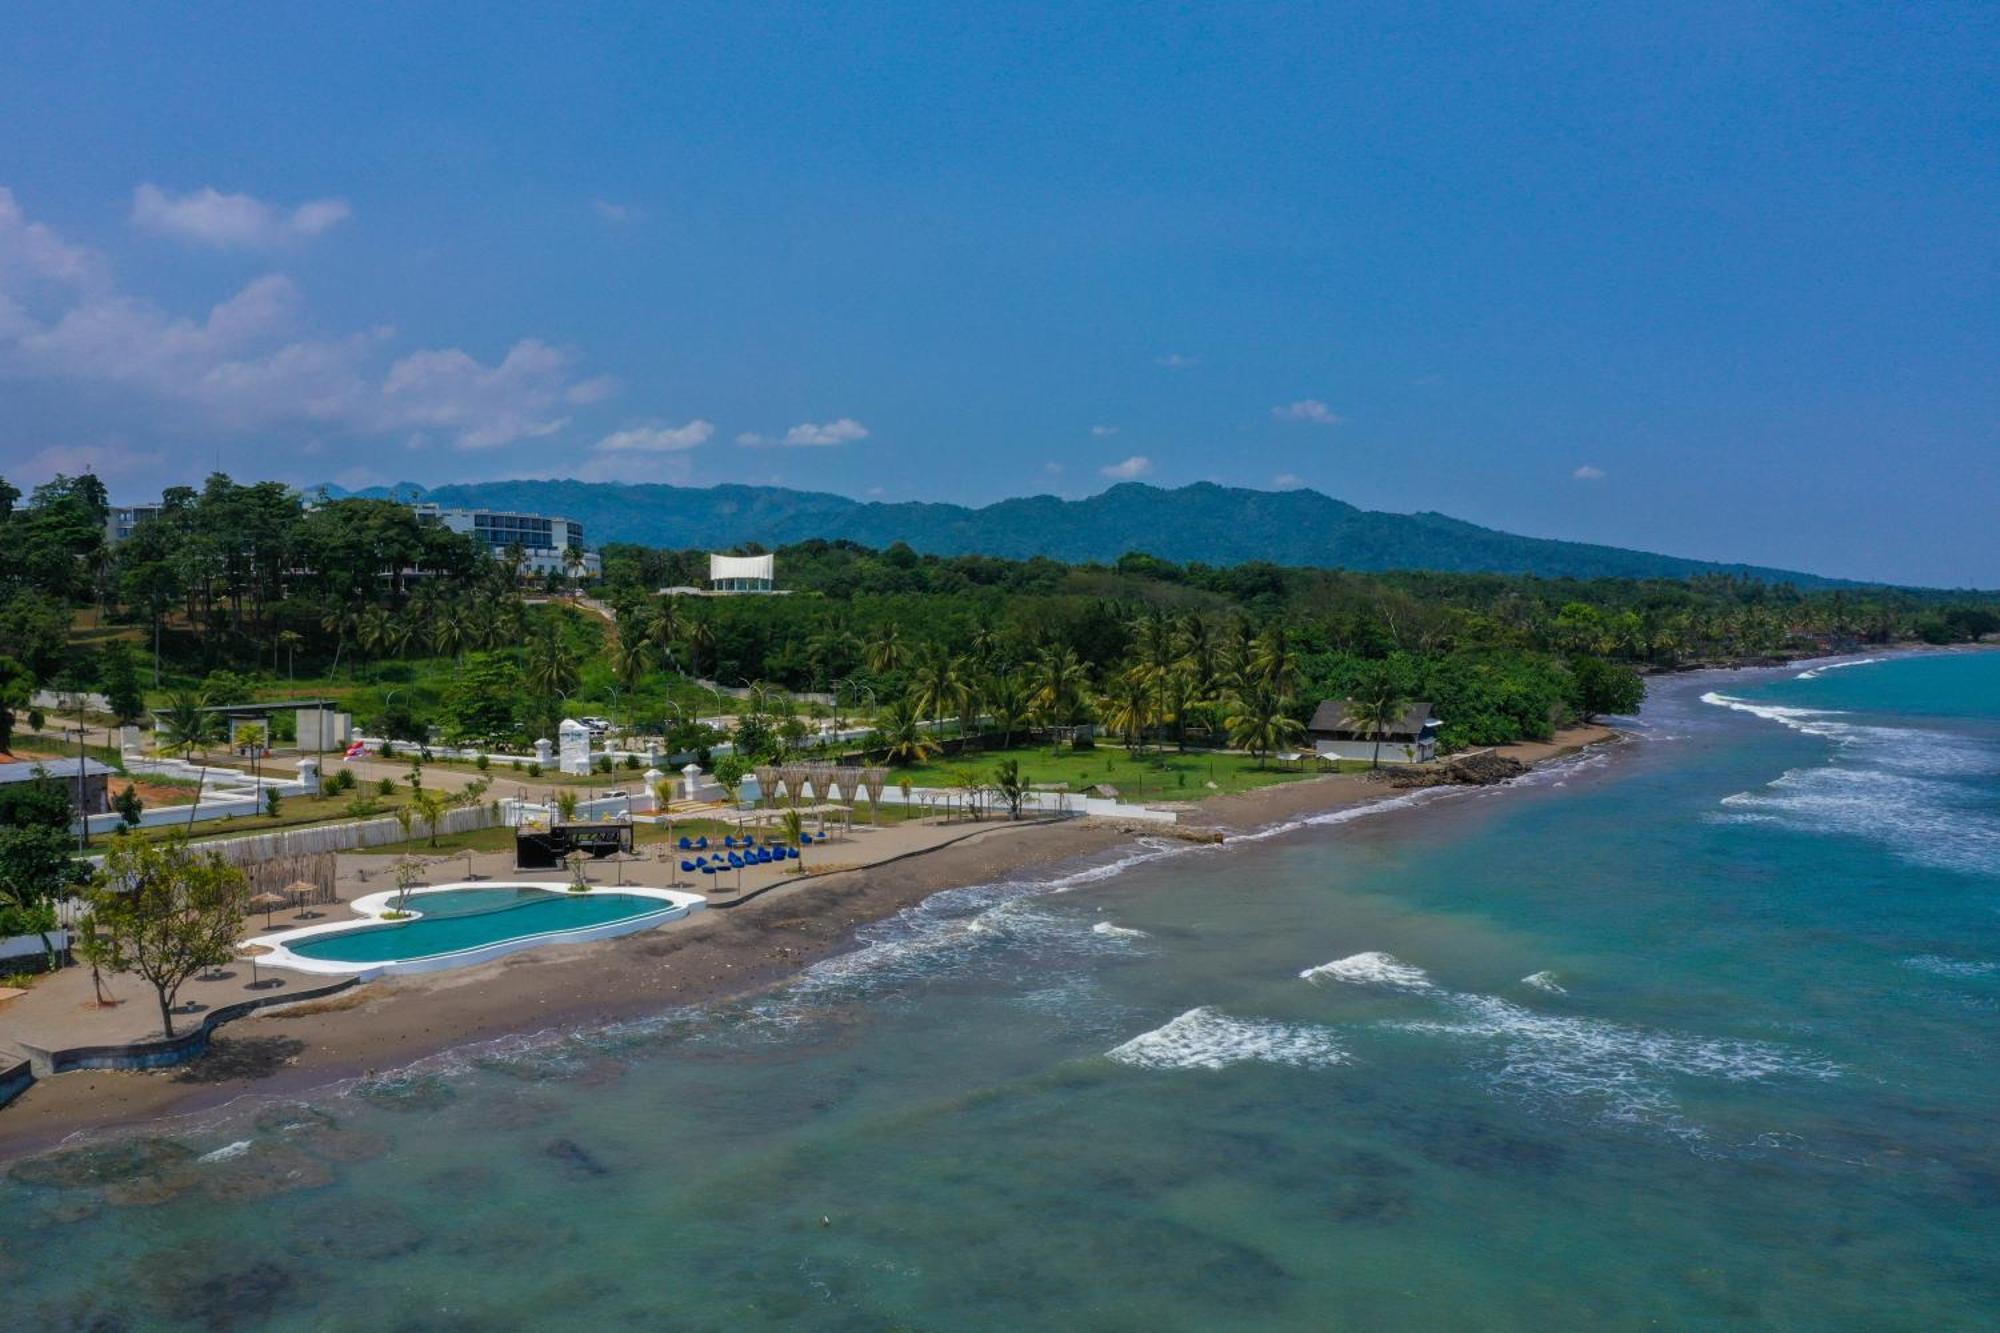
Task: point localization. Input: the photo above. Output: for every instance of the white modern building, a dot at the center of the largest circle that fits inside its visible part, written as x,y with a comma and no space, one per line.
546,541
742,573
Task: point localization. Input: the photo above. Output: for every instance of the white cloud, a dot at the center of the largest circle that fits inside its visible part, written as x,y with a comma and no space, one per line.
1287,481
1138,465
751,439
593,390
1588,473
1053,468
246,365
657,439
844,431
232,221
1103,431
1306,409
1177,361
482,406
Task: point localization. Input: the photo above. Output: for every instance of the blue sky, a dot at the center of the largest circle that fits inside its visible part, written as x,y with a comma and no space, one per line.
1715,280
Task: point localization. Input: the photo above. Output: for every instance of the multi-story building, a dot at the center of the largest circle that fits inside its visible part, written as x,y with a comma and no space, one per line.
545,541
124,520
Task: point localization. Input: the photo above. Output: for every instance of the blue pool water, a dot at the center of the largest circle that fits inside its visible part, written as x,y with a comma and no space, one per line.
454,920
1700,1033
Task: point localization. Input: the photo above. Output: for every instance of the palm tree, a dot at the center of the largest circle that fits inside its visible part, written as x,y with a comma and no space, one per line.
552,666
630,655
1197,650
372,629
1007,703
449,630
289,640
700,636
1274,659
1058,679
1374,707
885,651
665,627
188,728
339,622
937,685
900,731
1128,708
1257,721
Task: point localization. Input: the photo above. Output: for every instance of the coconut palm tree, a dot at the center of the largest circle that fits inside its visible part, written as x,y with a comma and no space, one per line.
666,626
1257,721
372,630
900,731
1007,703
937,682
552,666
289,641
700,637
188,729
1375,706
884,652
1057,678
631,656
1128,709
1274,659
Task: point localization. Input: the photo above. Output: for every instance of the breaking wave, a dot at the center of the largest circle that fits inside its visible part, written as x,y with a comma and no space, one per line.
1814,673
1205,1039
1110,931
1622,1070
1900,786
1545,981
1363,969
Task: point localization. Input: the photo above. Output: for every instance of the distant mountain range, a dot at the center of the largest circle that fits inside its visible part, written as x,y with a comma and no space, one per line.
1218,525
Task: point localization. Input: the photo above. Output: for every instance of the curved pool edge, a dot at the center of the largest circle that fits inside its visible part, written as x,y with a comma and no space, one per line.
372,909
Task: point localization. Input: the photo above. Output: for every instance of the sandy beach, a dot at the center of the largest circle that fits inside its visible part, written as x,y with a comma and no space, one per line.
716,956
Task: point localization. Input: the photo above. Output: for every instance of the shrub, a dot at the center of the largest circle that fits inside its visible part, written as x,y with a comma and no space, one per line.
387,786
480,763
129,806
342,781
514,764
601,764
388,749
631,763
274,801
534,768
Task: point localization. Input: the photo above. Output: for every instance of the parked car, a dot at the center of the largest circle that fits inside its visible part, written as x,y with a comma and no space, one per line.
598,725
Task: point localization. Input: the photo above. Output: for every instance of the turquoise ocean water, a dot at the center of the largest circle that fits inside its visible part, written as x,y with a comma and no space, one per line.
1698,1032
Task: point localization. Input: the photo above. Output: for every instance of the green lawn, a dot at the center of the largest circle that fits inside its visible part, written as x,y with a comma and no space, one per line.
1153,776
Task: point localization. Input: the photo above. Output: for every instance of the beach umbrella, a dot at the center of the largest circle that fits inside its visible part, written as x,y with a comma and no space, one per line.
269,900
301,891
253,952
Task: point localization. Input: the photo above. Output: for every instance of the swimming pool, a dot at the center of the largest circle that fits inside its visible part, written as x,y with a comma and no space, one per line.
458,924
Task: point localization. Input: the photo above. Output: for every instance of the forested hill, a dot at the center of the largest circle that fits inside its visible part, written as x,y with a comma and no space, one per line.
1217,525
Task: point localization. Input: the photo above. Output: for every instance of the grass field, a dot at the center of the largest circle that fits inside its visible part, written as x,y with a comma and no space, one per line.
1153,776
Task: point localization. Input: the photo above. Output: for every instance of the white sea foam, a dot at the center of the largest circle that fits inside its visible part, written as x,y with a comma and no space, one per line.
1938,965
1814,673
1896,785
1205,1039
226,1151
1624,1071
1370,969
1544,981
1110,931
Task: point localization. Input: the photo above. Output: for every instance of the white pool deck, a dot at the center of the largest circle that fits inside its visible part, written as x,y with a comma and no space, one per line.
374,909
